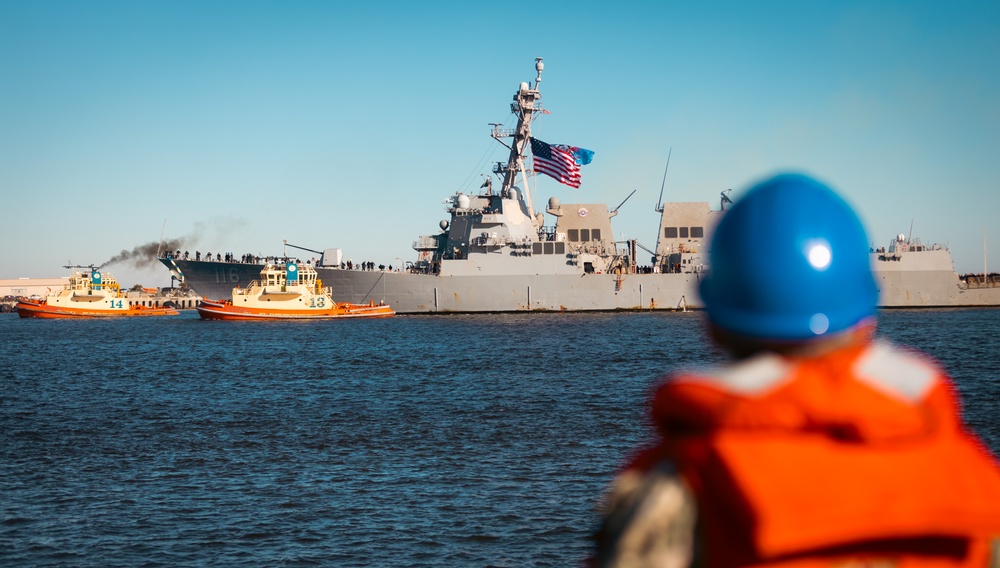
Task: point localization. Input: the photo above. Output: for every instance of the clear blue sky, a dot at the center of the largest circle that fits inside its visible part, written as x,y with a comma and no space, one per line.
336,124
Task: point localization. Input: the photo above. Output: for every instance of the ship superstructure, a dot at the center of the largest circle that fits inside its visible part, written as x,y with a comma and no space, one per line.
500,233
910,273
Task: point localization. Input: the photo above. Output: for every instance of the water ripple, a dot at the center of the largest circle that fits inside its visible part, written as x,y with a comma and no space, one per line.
417,441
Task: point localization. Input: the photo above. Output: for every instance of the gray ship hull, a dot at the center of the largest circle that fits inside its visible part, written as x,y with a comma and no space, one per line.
420,293
409,293
914,281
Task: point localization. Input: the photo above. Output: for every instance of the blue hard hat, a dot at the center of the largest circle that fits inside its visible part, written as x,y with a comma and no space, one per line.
789,262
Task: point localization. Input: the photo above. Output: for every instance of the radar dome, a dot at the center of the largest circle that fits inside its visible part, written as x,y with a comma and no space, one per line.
443,224
463,201
553,203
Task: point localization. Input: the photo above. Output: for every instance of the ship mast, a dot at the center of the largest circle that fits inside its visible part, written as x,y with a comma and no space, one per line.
659,202
524,105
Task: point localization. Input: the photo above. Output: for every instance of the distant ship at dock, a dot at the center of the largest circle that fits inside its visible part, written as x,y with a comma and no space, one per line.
495,253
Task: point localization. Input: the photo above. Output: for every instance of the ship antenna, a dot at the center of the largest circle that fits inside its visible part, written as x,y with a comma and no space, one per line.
659,202
615,210
725,199
159,247
910,236
539,67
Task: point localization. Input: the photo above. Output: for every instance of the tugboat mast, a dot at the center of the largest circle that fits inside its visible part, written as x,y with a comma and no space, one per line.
525,104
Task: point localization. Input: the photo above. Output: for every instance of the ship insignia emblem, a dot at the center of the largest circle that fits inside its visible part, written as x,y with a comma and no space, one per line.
582,212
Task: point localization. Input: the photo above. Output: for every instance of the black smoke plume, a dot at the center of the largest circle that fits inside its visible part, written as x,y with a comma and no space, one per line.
144,256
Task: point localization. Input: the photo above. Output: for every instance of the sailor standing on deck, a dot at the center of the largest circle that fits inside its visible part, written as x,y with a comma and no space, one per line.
818,445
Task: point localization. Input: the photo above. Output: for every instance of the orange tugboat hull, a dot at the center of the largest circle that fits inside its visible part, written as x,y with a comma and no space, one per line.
40,309
225,310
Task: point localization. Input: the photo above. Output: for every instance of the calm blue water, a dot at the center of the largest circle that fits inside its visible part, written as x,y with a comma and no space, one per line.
413,441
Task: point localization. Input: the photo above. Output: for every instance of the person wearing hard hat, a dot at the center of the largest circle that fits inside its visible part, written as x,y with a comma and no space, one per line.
818,445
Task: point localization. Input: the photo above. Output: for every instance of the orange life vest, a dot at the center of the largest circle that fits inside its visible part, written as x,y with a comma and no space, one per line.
856,457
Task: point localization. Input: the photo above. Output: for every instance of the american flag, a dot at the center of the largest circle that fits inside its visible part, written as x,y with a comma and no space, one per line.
560,162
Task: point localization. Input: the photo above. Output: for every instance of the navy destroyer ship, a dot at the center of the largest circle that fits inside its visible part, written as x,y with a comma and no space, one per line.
496,253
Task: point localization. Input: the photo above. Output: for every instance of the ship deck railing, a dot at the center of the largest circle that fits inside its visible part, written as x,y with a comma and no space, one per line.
973,281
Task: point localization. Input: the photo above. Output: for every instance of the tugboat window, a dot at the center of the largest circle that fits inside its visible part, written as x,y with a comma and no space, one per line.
573,235
560,248
697,232
536,248
584,235
548,247
595,234
670,232
684,232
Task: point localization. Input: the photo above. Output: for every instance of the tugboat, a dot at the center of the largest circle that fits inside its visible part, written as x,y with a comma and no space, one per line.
89,294
287,290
